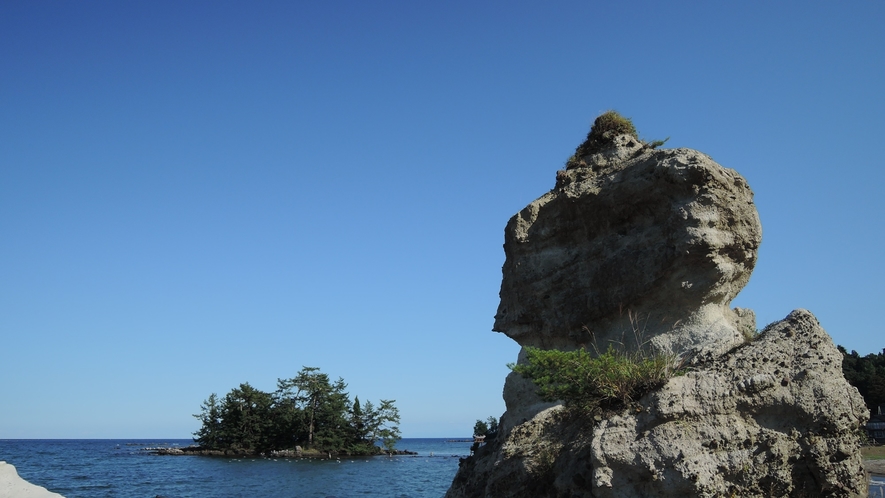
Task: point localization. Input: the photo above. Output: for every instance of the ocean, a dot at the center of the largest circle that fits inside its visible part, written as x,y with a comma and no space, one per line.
121,468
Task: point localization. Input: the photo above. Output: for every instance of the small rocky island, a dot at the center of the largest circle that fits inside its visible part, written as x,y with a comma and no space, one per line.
646,248
297,452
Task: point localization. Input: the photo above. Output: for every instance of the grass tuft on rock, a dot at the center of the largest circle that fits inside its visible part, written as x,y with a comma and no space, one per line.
585,382
605,128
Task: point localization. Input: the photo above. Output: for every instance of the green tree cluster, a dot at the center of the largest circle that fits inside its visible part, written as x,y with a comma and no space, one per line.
487,428
867,374
308,410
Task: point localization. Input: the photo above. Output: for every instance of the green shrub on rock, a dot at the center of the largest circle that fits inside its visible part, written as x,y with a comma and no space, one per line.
584,381
606,127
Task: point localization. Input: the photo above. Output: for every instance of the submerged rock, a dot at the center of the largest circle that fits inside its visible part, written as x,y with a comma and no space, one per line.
646,249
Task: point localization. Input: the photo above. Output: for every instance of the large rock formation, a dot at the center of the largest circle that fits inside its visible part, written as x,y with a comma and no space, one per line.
635,246
666,235
646,249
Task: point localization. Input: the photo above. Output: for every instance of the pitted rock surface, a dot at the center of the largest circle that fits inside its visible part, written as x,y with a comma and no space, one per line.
774,417
638,245
646,249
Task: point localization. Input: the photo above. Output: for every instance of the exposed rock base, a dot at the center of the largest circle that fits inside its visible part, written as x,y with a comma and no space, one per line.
774,417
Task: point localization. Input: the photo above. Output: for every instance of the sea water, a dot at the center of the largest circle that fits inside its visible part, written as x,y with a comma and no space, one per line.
123,468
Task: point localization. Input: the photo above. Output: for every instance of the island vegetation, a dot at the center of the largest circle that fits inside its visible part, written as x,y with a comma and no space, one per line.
308,413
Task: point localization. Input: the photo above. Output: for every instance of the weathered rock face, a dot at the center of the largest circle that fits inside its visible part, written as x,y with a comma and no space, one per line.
647,248
654,243
639,246
774,417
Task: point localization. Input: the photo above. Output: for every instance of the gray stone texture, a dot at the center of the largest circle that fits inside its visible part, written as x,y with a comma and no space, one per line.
773,417
646,248
666,236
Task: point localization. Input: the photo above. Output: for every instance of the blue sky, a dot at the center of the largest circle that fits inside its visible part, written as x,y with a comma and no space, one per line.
199,194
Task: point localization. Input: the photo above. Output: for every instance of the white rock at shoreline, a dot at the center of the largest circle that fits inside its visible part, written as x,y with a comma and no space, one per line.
13,486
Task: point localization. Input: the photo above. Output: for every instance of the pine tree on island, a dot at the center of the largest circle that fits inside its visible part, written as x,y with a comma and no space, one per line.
308,412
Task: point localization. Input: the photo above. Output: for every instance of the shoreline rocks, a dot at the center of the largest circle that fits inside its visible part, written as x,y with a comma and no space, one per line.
12,485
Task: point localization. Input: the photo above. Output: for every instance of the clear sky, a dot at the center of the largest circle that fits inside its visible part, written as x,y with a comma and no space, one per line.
199,194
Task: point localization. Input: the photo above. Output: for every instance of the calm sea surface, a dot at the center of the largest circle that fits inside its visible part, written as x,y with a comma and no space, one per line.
121,468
